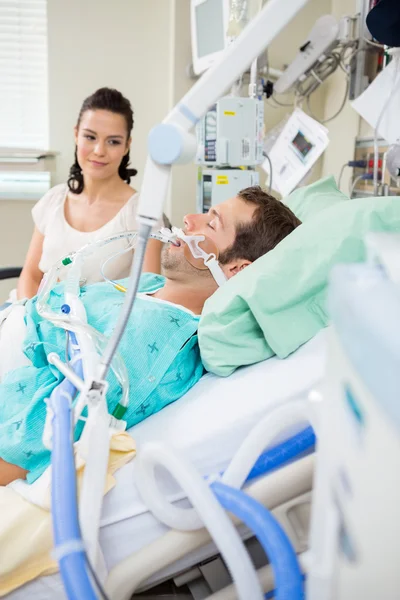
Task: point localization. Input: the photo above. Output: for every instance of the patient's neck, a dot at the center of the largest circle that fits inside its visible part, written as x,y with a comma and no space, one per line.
186,293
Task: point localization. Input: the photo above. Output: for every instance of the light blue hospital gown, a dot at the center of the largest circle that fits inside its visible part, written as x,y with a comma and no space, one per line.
159,348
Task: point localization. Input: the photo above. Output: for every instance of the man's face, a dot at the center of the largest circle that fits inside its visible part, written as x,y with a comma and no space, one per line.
218,225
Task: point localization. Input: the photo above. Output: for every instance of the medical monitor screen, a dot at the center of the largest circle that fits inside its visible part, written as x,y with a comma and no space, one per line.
302,144
209,27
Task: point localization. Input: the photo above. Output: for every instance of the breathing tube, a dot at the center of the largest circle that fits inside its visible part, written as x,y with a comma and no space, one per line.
200,251
273,539
244,466
69,550
73,321
206,506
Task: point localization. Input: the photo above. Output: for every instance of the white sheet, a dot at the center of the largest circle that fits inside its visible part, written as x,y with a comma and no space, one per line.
208,425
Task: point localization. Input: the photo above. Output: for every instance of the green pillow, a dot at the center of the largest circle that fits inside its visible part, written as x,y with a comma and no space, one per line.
309,200
279,302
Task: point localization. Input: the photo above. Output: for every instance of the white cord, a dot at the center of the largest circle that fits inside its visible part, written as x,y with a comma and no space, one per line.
341,175
280,103
337,113
110,258
353,185
376,44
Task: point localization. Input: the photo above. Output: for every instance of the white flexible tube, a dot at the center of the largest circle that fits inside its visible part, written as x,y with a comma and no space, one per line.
123,317
97,444
75,321
207,507
260,438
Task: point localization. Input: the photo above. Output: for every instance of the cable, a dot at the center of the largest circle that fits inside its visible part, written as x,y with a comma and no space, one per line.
110,258
270,171
341,174
281,103
337,113
318,74
345,67
353,185
376,44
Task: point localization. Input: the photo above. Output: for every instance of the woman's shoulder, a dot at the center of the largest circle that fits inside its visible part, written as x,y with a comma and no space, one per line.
43,211
56,194
128,211
134,197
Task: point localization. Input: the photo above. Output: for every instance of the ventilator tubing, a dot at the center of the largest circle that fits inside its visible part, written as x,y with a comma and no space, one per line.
276,545
210,514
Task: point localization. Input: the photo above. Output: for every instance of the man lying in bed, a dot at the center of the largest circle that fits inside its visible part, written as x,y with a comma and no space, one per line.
159,346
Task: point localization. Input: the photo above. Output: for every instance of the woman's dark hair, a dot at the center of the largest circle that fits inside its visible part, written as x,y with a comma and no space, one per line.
113,101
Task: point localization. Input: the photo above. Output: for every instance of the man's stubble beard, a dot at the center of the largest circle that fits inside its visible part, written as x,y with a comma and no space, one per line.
176,264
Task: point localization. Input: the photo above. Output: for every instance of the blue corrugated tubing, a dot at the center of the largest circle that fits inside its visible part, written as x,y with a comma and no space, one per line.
287,574
271,595
283,453
64,496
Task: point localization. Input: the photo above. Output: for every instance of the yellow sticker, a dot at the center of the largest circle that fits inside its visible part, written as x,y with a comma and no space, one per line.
229,113
222,180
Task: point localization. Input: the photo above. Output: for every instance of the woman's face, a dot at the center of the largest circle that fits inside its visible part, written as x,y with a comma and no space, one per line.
102,142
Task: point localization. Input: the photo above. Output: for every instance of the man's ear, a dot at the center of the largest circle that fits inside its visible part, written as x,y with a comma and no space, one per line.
235,267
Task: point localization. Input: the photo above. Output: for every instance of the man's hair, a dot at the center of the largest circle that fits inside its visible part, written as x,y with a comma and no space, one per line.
272,221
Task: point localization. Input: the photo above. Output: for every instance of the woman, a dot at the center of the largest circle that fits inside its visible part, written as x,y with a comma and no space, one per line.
95,203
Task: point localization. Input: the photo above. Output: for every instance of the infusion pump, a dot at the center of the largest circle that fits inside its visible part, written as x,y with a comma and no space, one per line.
231,133
216,185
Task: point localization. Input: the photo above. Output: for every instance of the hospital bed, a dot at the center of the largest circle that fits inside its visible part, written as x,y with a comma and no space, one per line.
207,425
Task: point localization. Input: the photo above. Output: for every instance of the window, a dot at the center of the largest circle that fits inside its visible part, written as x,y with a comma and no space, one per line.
23,74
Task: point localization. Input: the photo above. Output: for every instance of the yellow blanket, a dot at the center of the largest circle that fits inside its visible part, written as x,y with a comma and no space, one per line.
26,539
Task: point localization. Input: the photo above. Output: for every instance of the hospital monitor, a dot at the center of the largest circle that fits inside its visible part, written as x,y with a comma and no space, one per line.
209,23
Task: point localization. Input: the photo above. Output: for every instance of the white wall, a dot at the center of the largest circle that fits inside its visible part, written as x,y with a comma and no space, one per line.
15,232
182,198
122,44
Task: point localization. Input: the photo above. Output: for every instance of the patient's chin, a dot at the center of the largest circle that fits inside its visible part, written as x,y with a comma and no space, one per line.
172,262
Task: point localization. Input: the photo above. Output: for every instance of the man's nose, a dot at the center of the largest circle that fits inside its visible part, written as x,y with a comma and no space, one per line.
191,222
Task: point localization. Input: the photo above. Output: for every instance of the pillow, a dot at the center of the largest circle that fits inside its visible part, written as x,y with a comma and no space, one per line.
279,302
309,200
